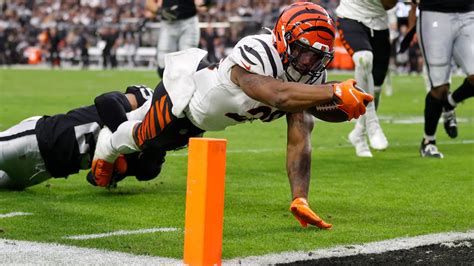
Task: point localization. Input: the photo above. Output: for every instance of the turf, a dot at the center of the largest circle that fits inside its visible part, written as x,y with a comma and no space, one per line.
394,194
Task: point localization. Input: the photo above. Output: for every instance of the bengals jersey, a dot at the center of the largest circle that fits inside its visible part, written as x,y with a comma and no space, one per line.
67,141
369,12
218,103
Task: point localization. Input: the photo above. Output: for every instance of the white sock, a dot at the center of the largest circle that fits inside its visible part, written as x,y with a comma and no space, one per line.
451,100
360,124
122,140
104,149
430,138
363,70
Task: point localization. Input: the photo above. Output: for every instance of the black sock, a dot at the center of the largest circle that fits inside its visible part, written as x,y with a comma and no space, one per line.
433,109
464,91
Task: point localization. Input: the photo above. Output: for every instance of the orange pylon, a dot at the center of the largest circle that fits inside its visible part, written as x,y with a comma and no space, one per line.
205,201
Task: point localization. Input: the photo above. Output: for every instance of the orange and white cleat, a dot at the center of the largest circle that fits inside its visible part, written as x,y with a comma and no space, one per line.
101,172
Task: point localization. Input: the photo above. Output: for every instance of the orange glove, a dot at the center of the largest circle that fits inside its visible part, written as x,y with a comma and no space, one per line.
350,99
300,209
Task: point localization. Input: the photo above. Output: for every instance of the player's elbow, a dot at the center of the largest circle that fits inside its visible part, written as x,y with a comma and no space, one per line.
110,100
284,101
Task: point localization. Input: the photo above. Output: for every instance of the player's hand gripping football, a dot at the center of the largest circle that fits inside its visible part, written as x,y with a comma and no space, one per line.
350,99
300,209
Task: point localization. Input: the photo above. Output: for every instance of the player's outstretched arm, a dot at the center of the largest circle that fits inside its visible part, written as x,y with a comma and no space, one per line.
300,126
286,96
296,97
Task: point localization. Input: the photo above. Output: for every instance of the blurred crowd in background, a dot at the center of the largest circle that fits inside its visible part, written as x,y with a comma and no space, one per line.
113,33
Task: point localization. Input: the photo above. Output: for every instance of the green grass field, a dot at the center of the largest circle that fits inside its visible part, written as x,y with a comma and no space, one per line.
394,194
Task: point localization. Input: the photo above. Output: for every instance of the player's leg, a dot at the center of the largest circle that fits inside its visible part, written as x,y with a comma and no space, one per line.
464,56
357,137
190,33
380,43
21,164
167,43
355,38
437,53
159,132
381,50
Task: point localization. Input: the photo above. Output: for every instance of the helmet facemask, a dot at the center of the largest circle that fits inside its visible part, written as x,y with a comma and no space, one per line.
306,63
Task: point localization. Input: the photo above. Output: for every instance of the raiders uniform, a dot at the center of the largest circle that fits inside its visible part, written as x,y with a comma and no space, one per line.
52,146
454,21
179,29
192,99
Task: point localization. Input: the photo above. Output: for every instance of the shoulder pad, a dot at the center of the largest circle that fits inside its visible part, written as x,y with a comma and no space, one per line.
257,55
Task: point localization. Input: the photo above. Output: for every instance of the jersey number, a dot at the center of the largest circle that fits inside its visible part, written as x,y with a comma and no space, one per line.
263,113
86,136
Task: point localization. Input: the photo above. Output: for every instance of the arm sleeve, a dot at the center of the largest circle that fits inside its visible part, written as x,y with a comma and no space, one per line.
112,108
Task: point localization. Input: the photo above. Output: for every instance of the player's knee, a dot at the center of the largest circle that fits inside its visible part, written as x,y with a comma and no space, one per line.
440,92
363,59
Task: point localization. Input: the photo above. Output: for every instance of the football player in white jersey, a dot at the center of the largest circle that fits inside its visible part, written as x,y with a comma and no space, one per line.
266,77
363,28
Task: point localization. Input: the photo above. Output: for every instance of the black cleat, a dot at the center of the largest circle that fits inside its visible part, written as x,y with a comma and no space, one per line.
450,123
430,150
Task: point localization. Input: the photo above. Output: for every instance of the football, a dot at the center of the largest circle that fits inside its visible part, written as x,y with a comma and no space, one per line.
330,112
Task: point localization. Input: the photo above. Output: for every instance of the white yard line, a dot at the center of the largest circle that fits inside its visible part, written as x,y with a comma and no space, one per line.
121,233
13,214
24,252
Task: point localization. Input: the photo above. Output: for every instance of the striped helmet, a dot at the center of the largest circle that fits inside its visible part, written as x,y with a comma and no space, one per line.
304,38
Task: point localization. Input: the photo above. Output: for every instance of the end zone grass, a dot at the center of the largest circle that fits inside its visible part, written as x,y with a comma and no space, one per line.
394,194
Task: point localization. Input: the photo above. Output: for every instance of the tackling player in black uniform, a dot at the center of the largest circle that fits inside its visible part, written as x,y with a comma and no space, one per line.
39,148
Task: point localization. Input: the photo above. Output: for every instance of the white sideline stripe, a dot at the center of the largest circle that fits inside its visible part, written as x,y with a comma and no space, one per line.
24,252
322,147
121,233
13,214
343,251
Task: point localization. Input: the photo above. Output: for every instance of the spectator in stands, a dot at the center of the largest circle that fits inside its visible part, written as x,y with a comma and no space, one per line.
110,36
83,46
54,39
3,46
